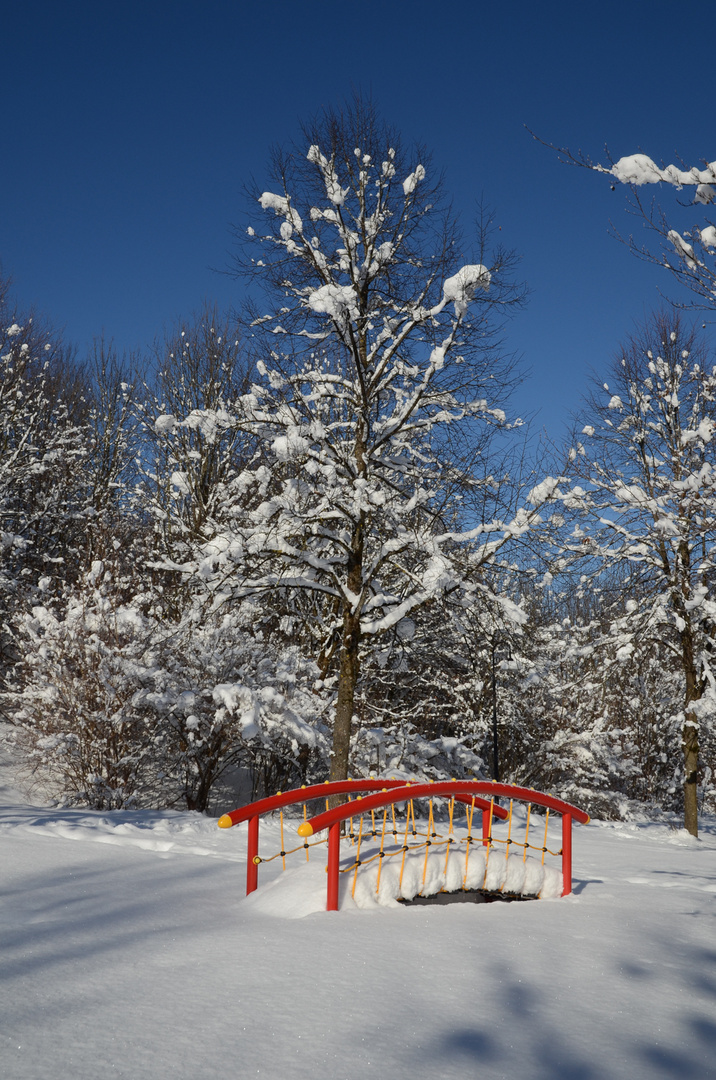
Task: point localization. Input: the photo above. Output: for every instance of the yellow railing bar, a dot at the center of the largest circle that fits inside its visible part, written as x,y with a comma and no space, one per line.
489,841
431,829
546,826
450,833
469,811
382,846
305,818
405,850
360,837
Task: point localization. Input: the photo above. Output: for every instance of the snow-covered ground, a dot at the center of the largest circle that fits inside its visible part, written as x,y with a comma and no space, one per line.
129,950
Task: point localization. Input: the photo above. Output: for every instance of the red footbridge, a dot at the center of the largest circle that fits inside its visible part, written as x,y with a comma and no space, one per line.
387,821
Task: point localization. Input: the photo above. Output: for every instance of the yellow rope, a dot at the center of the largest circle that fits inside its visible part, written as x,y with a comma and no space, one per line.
427,842
509,833
544,844
405,848
546,826
290,851
350,824
489,840
382,846
451,807
360,837
283,853
508,841
469,811
527,833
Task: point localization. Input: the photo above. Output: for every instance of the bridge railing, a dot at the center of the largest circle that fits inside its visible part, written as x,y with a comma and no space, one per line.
478,794
253,812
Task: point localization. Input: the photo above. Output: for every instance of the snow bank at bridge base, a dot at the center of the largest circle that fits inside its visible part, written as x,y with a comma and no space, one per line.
301,890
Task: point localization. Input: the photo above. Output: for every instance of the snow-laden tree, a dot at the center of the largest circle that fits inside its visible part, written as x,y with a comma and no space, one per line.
648,500
114,705
597,727
417,699
114,443
199,369
70,697
44,450
373,345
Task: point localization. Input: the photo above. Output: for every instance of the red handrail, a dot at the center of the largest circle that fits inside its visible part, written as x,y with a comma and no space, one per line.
464,790
302,795
253,811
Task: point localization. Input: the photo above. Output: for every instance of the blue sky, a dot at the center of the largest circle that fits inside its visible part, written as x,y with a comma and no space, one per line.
130,129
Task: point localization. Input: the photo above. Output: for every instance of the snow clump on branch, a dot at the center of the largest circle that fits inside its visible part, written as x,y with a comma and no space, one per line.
461,288
639,169
337,301
280,205
411,182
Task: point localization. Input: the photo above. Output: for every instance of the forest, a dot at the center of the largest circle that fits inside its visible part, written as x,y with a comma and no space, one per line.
307,538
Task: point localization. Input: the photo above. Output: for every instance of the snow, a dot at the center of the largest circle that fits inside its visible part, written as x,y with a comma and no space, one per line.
129,950
336,301
280,205
411,182
429,876
163,423
639,169
288,446
179,481
682,248
238,698
543,491
462,287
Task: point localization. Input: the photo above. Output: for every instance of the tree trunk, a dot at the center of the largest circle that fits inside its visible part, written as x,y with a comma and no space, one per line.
691,766
690,737
350,642
347,680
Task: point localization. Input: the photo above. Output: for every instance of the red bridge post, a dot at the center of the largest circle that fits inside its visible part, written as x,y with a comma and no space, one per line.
566,854
252,854
333,866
